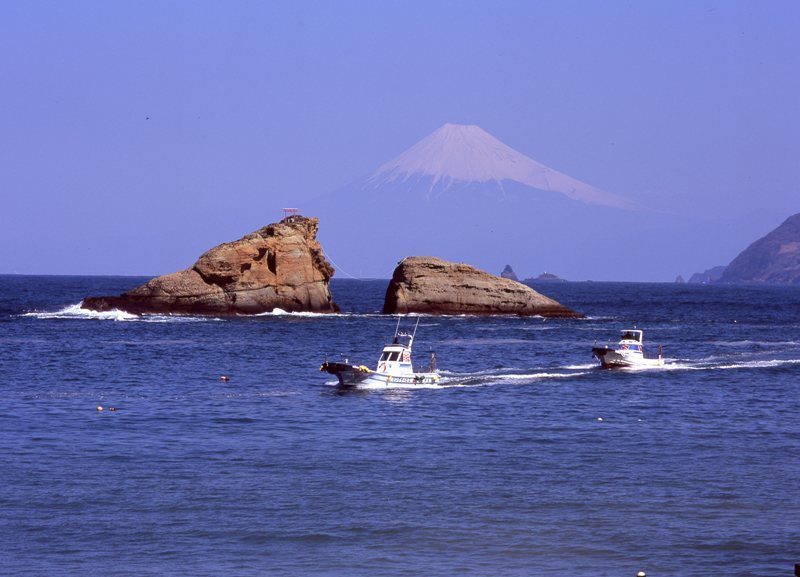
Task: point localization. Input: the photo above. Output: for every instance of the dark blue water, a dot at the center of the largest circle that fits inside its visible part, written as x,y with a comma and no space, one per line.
526,461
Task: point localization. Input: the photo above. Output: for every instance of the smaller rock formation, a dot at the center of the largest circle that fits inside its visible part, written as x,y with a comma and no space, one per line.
509,273
545,277
279,266
679,279
433,286
773,259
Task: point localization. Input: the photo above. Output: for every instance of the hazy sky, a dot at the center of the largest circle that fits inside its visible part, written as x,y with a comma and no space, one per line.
135,135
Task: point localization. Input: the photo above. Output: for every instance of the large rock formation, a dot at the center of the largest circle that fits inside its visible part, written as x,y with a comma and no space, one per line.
773,259
279,266
433,286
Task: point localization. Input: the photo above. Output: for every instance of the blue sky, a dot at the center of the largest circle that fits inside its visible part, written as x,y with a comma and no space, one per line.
136,135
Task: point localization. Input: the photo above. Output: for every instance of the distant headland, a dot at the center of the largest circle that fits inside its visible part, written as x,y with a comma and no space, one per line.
773,259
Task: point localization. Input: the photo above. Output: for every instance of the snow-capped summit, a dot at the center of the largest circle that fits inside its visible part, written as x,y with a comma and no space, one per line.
468,154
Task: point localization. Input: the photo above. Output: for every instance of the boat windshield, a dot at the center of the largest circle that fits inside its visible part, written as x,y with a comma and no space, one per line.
631,336
390,356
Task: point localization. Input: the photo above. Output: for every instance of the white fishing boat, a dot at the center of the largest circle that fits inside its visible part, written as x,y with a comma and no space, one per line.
394,367
629,353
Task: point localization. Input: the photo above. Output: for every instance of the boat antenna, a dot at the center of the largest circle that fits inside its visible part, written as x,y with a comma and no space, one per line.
397,328
415,329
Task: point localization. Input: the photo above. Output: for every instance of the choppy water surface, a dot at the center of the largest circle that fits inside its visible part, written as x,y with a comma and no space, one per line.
527,460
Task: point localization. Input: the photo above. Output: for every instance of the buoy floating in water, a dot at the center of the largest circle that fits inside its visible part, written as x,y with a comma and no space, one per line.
224,378
99,407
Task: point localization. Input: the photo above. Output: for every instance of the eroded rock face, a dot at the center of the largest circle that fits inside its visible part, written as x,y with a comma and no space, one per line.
279,266
433,286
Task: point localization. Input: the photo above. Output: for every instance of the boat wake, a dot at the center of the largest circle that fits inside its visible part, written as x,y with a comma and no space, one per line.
483,380
717,363
449,380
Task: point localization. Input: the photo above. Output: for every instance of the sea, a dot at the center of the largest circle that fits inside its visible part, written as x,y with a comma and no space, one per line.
526,460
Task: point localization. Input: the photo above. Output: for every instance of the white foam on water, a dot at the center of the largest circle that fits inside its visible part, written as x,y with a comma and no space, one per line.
760,364
482,379
718,364
681,366
282,313
76,312
582,367
654,367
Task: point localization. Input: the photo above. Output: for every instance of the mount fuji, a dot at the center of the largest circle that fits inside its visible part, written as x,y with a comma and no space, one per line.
463,195
455,155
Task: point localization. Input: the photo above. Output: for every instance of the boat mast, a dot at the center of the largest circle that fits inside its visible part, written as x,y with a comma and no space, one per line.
411,341
397,328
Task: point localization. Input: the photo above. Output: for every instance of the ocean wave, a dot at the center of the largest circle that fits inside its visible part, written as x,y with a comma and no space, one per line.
282,313
76,312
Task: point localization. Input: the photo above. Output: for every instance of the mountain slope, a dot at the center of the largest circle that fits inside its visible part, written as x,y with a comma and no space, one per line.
456,154
773,259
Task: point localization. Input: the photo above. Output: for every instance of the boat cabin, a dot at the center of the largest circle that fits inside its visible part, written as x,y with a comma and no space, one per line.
632,335
631,341
395,358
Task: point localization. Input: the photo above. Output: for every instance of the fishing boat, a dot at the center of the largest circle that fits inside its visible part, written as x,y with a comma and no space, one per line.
629,353
394,367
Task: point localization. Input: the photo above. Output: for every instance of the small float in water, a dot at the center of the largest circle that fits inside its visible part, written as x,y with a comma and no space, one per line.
394,367
629,353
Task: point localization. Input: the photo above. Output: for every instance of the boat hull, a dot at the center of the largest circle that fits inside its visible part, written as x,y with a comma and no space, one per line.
616,359
360,375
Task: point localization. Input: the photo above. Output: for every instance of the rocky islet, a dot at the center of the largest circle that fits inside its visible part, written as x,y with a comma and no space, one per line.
280,266
430,285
